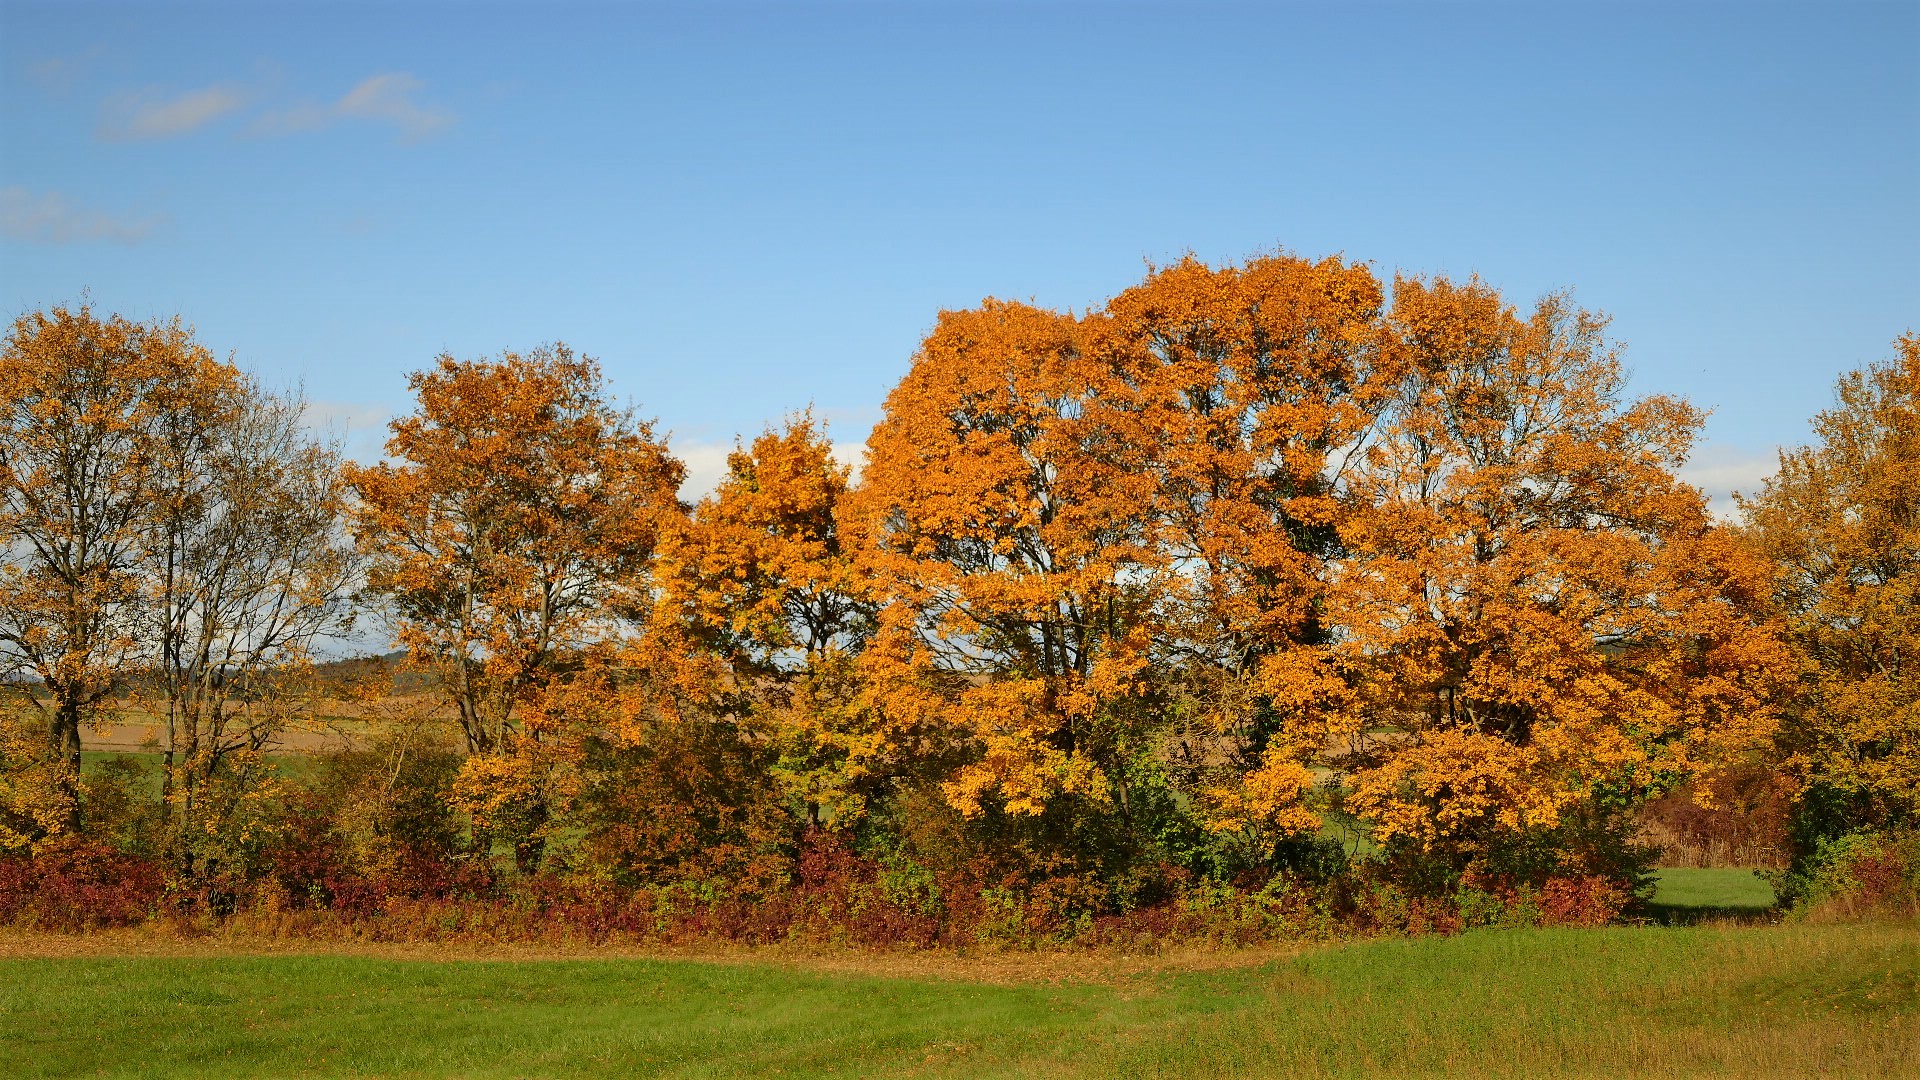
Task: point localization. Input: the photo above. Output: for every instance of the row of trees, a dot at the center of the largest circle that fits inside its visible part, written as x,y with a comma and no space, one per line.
1164,584
172,532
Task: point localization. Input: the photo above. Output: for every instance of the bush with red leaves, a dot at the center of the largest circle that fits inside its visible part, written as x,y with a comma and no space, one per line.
77,885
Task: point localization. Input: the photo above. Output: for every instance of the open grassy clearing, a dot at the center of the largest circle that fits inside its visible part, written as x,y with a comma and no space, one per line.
1686,892
1775,1001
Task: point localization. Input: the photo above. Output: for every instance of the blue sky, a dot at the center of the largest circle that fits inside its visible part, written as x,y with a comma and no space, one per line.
744,209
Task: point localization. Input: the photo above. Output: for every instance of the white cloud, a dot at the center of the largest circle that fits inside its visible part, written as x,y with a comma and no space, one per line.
148,117
706,464
1720,471
51,218
852,455
345,415
388,98
360,428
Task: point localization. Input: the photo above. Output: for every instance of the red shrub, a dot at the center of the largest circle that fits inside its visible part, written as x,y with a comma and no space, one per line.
1581,901
79,885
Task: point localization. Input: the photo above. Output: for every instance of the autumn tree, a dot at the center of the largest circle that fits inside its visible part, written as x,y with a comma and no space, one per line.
36,794
1115,527
511,536
1013,532
1538,613
1249,391
246,564
86,400
762,579
1112,530
1840,521
760,570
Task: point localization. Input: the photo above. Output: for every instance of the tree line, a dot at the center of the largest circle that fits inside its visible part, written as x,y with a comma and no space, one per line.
1144,595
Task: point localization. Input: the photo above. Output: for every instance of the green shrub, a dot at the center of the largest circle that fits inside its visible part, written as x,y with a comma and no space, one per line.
1856,875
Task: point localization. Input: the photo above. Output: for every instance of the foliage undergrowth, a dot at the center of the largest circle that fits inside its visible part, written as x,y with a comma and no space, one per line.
835,897
1857,875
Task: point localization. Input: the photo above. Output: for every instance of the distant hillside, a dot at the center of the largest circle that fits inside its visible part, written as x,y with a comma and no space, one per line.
339,675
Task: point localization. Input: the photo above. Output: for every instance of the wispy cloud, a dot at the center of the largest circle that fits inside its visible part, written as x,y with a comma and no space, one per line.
359,428
1721,471
147,116
346,415
58,75
52,218
389,99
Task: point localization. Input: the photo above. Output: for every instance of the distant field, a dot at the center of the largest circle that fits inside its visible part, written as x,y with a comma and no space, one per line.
1766,1001
288,766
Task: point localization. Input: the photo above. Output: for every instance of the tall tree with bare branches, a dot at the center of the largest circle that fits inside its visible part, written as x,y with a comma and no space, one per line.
85,399
247,563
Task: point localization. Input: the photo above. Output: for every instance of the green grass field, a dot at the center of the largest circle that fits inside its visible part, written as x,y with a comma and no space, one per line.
147,765
1762,1001
1710,892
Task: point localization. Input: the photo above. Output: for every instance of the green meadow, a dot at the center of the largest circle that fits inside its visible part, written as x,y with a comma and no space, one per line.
1690,894
1793,1000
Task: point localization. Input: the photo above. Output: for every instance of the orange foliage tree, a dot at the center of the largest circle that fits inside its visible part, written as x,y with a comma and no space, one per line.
1840,521
1013,532
512,539
86,400
760,571
1538,620
1248,390
1250,533
1110,531
762,579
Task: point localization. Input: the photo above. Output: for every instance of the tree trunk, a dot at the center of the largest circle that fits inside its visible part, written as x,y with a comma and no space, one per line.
64,742
531,848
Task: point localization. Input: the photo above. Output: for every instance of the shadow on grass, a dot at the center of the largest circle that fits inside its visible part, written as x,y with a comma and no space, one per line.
1688,915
